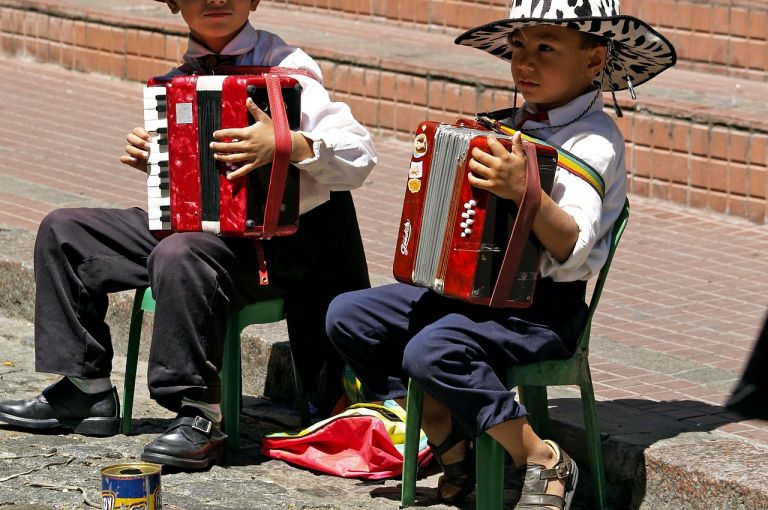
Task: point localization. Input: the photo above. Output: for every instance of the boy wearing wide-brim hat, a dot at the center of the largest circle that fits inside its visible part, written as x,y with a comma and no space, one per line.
563,57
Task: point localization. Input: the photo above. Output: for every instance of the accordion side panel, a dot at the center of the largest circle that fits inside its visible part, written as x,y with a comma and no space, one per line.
233,194
409,231
468,248
481,253
186,213
243,200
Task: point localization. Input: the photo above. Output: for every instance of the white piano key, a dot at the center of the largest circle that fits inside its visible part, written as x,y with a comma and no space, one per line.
156,181
157,157
160,202
154,92
155,169
159,225
156,148
156,192
155,125
152,114
155,103
157,213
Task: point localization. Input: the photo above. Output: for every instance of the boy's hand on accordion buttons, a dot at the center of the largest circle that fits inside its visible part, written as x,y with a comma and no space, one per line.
137,150
501,172
250,147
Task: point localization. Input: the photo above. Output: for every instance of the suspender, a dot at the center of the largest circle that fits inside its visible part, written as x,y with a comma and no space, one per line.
565,159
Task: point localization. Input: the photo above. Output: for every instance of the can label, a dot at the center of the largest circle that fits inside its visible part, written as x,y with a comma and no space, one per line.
134,486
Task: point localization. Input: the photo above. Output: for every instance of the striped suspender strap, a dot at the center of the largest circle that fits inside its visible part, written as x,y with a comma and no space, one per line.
565,159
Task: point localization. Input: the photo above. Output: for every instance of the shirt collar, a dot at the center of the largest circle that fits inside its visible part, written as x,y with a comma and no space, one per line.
243,42
581,106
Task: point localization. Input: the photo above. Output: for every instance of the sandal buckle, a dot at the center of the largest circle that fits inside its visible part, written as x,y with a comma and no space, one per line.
563,470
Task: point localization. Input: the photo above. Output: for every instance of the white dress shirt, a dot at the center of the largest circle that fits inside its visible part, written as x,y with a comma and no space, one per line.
344,151
595,139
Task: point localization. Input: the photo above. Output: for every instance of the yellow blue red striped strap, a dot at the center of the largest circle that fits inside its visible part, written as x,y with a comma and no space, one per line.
565,159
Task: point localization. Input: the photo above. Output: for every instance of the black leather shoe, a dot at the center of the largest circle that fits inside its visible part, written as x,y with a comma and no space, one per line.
192,442
63,405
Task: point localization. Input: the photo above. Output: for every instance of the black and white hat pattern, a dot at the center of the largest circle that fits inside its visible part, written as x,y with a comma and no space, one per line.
636,53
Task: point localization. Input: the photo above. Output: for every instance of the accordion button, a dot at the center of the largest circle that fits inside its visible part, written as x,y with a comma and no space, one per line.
467,231
465,215
471,212
473,203
466,205
463,224
469,222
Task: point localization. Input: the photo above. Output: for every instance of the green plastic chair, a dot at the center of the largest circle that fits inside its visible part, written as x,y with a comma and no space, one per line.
261,312
532,381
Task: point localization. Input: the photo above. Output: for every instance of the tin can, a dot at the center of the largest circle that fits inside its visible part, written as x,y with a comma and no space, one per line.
133,486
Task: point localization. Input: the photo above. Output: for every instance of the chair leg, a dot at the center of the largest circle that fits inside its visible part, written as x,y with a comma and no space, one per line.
594,443
414,404
230,384
131,360
489,468
534,398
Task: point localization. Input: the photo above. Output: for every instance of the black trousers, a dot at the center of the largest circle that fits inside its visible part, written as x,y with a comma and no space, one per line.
457,351
750,396
82,255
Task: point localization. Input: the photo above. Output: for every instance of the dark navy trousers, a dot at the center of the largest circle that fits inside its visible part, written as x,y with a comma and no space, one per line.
83,254
457,351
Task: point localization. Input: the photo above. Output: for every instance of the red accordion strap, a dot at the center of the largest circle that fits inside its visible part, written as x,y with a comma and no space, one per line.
526,211
281,158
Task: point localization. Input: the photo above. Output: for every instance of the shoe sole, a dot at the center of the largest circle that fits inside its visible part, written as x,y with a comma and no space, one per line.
570,490
87,426
169,460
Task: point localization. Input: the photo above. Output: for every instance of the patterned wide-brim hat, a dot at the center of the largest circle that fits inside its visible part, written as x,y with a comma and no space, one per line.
636,52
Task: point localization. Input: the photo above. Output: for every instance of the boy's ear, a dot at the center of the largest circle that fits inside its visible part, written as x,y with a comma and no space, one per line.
254,4
173,6
597,60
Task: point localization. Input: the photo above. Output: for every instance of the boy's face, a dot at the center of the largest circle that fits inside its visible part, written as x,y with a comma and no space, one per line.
214,23
551,66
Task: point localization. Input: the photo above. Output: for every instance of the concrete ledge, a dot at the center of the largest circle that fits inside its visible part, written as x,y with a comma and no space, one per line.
652,463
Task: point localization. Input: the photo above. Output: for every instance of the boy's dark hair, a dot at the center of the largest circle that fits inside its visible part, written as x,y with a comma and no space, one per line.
589,40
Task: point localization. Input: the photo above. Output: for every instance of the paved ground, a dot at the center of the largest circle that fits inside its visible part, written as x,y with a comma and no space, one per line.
684,301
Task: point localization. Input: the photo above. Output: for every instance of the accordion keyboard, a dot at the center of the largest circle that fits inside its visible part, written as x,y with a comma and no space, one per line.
158,181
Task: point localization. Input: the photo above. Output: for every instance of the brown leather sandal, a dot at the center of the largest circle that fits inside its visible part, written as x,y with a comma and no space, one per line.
459,474
534,494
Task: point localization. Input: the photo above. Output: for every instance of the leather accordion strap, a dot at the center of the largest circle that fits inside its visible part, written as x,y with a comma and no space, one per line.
282,155
526,211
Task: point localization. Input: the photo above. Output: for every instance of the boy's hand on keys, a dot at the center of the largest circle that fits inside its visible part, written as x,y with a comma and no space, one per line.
249,147
500,172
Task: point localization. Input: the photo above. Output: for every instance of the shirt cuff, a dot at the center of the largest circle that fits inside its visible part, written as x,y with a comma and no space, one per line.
584,243
322,154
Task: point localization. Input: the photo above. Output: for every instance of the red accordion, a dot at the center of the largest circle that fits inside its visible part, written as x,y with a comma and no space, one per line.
461,241
187,188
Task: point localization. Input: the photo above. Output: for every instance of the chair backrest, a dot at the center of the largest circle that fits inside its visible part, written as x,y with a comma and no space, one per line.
616,233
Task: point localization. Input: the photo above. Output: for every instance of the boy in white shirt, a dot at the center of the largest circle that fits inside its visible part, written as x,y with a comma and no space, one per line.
563,55
199,278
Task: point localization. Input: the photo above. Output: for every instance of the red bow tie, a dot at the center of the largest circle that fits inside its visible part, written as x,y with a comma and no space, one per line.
537,116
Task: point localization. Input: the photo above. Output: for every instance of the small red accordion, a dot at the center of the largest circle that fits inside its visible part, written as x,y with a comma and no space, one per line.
461,241
187,188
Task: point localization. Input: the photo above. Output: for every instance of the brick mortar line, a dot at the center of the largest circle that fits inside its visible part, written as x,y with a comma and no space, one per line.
657,107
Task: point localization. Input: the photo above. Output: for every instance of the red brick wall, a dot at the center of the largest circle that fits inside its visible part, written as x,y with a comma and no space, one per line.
728,37
698,161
